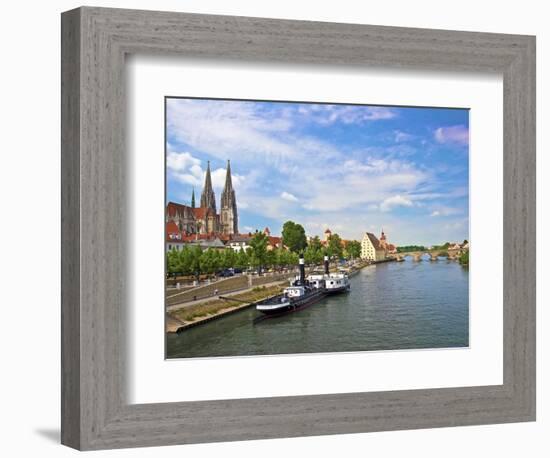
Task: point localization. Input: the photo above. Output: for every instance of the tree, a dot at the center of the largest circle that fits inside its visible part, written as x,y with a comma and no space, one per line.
271,258
315,243
353,249
172,262
241,259
294,236
195,261
207,261
285,258
313,254
334,247
228,258
258,250
464,258
185,259
407,248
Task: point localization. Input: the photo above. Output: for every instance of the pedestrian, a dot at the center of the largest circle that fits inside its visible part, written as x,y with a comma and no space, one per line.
216,292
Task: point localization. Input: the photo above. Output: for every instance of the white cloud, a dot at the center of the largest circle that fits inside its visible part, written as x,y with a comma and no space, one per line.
446,211
400,136
180,162
187,169
346,114
225,129
288,196
184,167
218,179
452,134
360,183
395,201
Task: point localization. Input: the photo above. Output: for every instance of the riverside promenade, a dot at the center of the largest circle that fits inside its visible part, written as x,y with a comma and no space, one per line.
225,286
183,311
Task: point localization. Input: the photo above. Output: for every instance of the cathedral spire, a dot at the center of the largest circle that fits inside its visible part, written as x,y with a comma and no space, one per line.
193,198
229,215
228,183
208,199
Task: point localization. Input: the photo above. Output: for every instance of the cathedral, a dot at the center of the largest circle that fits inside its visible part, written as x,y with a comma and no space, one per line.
206,219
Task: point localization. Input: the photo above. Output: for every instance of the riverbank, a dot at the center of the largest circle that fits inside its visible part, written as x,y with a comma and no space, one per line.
192,315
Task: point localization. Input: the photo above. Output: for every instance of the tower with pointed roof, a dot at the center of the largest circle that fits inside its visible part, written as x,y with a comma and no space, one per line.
208,199
383,240
228,214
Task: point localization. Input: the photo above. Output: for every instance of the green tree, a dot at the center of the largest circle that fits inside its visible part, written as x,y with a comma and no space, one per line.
258,250
229,258
464,258
241,259
185,259
334,247
315,243
353,249
195,266
313,254
294,236
207,261
280,257
285,258
172,262
271,259
407,248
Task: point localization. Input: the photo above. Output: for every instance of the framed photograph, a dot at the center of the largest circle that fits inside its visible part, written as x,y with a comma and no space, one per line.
277,228
304,190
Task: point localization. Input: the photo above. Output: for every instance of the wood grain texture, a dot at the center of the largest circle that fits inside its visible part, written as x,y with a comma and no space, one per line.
70,229
96,414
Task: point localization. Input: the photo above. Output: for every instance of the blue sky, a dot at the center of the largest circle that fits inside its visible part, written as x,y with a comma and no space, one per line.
350,168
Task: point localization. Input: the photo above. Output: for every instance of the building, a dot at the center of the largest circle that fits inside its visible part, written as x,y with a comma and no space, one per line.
240,242
205,219
390,248
229,219
273,242
371,249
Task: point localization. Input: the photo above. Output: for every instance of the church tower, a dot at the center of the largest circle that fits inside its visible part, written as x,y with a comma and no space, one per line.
208,199
229,216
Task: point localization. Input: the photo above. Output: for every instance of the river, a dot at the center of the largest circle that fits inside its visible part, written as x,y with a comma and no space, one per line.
395,305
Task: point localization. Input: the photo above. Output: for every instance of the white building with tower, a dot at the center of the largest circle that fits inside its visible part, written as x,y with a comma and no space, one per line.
371,249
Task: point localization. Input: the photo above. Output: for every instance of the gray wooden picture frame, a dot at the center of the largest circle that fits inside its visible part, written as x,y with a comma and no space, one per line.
95,412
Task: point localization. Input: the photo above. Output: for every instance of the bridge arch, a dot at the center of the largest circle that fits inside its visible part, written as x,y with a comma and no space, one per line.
433,255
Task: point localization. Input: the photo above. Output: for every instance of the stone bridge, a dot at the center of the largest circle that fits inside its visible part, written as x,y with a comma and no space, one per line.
433,254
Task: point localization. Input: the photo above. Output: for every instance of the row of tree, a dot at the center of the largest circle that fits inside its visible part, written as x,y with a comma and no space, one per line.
407,248
294,238
192,260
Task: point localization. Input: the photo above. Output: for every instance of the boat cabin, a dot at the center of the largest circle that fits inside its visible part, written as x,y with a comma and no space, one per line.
316,281
294,291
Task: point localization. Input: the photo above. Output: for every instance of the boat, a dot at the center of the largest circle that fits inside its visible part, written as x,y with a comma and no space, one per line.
300,294
334,282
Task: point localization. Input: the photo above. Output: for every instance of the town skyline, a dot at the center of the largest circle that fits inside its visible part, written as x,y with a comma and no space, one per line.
351,169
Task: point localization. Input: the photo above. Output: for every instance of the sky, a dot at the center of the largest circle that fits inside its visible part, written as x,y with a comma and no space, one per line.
350,168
